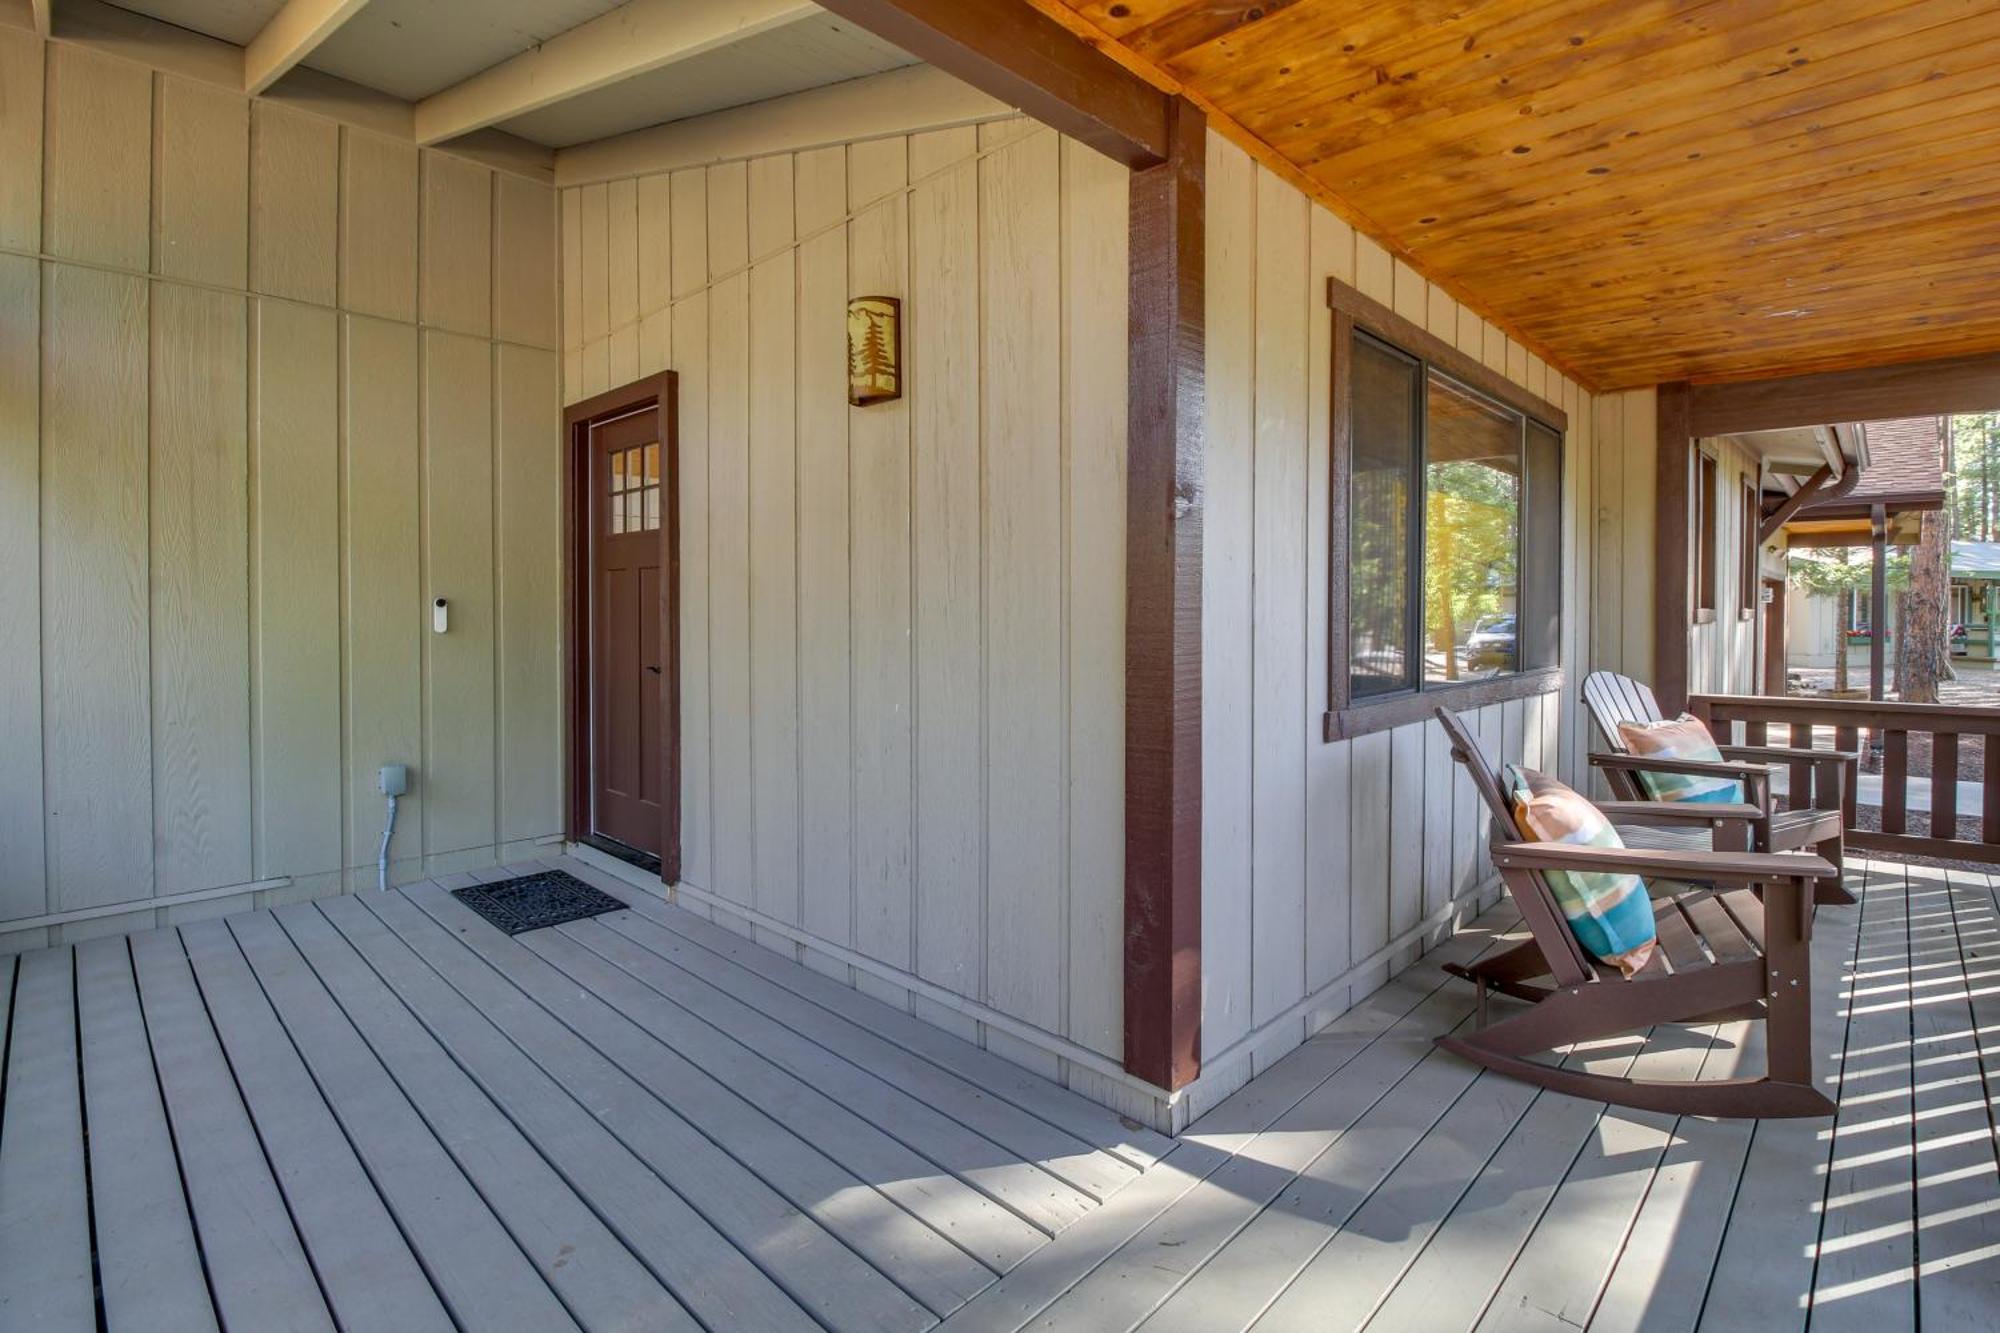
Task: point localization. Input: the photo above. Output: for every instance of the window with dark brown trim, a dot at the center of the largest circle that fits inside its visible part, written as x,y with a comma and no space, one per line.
1707,536
1746,581
1445,540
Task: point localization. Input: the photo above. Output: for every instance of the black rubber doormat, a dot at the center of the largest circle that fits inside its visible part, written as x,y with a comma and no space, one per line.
534,901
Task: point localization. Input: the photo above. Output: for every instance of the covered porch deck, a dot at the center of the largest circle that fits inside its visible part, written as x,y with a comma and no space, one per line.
381,1112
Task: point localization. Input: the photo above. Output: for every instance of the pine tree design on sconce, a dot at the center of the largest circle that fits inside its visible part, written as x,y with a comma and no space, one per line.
874,350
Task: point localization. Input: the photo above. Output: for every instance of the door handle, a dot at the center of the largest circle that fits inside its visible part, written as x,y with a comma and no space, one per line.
655,670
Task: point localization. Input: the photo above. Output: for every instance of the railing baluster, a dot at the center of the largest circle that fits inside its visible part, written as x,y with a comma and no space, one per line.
1799,790
1991,830
1895,772
1754,731
1849,739
1944,784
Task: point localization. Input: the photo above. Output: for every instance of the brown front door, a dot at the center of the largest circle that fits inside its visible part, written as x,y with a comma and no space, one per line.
625,777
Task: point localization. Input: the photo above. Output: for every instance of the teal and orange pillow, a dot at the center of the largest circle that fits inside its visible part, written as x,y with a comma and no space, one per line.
1609,913
1683,737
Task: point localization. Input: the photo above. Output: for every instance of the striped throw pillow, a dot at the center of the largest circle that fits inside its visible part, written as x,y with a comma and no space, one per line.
1610,914
1683,737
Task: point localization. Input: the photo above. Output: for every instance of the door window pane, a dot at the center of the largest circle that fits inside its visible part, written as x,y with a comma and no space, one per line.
1472,534
1384,385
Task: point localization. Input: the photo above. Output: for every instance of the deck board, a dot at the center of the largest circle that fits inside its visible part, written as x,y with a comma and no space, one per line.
149,1265
45,1281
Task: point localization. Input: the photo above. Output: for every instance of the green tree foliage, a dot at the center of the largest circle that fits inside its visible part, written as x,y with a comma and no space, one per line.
1472,540
1974,478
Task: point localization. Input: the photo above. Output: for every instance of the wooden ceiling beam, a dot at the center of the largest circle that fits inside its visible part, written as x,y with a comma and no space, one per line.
1010,51
293,33
1882,393
633,39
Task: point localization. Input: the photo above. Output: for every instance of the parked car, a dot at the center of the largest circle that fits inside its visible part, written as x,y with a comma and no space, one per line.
1492,643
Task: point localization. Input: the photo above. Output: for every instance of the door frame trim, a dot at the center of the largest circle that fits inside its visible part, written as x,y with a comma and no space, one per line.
659,390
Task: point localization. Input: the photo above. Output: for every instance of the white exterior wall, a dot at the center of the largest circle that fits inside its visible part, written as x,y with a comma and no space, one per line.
268,382
1722,654
1317,855
902,660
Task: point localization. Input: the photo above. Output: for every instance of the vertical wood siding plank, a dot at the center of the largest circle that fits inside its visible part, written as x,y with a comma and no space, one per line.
1095,254
656,281
593,231
621,227
1441,829
201,190
689,202
295,486
528,549
524,261
386,616
97,717
825,741
774,661
571,235
21,65
456,270
1411,291
942,342
1374,270
1406,826
294,203
1226,593
24,886
879,493
378,226
458,559
729,533
96,186
1327,765
1639,447
1368,860
200,591
1278,657
1022,429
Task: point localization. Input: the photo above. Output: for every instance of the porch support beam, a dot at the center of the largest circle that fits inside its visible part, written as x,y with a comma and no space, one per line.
44,16
1673,518
1878,603
1782,515
1008,50
633,39
292,34
1163,646
1876,393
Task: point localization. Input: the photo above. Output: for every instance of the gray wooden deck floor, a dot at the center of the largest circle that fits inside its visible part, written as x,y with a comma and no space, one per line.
1369,1180
380,1113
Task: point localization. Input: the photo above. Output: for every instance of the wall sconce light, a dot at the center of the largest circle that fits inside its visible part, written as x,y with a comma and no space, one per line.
874,350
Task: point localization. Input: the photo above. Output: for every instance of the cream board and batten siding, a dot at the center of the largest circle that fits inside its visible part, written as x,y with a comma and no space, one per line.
1620,570
1722,654
267,384
902,666
1316,855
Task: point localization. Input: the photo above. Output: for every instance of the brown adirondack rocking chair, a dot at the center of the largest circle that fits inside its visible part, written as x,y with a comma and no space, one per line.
1735,933
1816,820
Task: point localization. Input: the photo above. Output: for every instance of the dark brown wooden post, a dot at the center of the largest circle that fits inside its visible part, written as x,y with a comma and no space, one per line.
1878,605
1163,612
1673,444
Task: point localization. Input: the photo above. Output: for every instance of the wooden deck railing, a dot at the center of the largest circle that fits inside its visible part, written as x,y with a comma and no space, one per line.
1858,724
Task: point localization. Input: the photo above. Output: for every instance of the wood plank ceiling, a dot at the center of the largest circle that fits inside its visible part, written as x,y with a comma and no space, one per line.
1645,190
